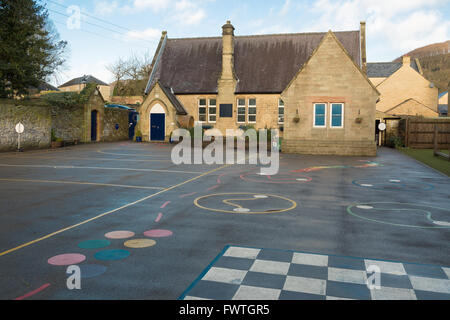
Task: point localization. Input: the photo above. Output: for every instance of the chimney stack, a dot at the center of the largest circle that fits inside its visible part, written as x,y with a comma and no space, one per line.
227,51
363,47
406,60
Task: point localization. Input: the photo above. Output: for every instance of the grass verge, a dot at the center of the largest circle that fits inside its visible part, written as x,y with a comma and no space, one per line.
426,156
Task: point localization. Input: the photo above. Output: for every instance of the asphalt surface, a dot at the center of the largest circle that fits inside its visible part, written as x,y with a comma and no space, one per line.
51,201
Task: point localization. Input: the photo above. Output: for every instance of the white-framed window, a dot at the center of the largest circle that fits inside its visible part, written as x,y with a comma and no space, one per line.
280,111
320,115
241,111
251,110
212,111
337,115
202,112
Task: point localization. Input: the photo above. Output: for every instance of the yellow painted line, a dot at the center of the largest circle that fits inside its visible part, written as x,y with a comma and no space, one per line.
228,202
81,183
109,212
293,203
98,168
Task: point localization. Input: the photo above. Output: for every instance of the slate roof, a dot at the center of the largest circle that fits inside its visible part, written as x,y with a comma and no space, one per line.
82,80
386,69
263,63
173,99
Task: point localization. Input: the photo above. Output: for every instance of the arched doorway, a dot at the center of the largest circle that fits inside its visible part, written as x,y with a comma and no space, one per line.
94,125
157,123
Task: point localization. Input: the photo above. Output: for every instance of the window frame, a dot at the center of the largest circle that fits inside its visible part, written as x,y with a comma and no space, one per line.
206,110
248,110
280,106
237,110
342,115
209,108
324,115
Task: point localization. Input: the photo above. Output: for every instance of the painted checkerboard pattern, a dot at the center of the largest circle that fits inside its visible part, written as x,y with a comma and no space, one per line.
268,274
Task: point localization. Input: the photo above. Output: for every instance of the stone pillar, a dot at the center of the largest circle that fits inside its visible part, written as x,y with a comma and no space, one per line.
406,60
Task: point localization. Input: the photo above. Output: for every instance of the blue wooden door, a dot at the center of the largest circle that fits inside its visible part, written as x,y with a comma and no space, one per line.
94,116
157,126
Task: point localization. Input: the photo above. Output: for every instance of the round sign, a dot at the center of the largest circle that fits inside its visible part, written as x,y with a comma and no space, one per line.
20,128
382,126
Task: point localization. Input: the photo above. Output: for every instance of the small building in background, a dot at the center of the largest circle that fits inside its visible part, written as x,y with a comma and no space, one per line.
78,84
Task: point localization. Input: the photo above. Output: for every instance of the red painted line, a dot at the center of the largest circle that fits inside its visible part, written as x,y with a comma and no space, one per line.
29,294
159,217
165,205
212,188
187,195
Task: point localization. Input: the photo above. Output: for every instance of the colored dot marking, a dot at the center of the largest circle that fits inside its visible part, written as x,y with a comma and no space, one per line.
66,259
241,210
158,233
119,234
92,270
94,244
260,196
139,243
367,185
108,255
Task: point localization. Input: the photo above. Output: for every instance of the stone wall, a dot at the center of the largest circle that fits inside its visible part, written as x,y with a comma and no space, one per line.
36,120
68,123
113,116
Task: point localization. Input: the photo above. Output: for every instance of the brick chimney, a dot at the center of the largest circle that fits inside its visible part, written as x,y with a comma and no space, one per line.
362,32
406,60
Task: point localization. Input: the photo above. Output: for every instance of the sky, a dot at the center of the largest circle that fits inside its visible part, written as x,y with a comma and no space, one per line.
99,32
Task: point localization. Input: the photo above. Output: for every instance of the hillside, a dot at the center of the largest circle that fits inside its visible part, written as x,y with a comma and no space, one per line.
435,62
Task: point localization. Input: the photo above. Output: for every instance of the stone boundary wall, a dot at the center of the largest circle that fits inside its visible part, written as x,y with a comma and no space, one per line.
112,117
36,120
69,124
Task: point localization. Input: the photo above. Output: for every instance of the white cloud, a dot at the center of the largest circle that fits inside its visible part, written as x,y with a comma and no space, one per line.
188,13
155,5
104,8
396,27
285,9
147,34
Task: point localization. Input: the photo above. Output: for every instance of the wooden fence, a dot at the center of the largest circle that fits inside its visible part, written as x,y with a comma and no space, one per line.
421,133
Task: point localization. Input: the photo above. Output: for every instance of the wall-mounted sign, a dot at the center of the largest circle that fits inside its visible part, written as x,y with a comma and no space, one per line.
117,126
226,110
382,126
20,128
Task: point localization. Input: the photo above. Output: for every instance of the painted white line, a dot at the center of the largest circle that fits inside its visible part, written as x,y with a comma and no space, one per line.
81,183
99,168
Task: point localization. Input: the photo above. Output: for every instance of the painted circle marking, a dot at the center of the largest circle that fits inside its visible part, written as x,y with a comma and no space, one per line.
94,244
119,234
109,255
158,233
92,270
292,202
439,224
66,259
139,243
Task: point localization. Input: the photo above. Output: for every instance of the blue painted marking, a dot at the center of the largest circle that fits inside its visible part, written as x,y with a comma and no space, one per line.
109,255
